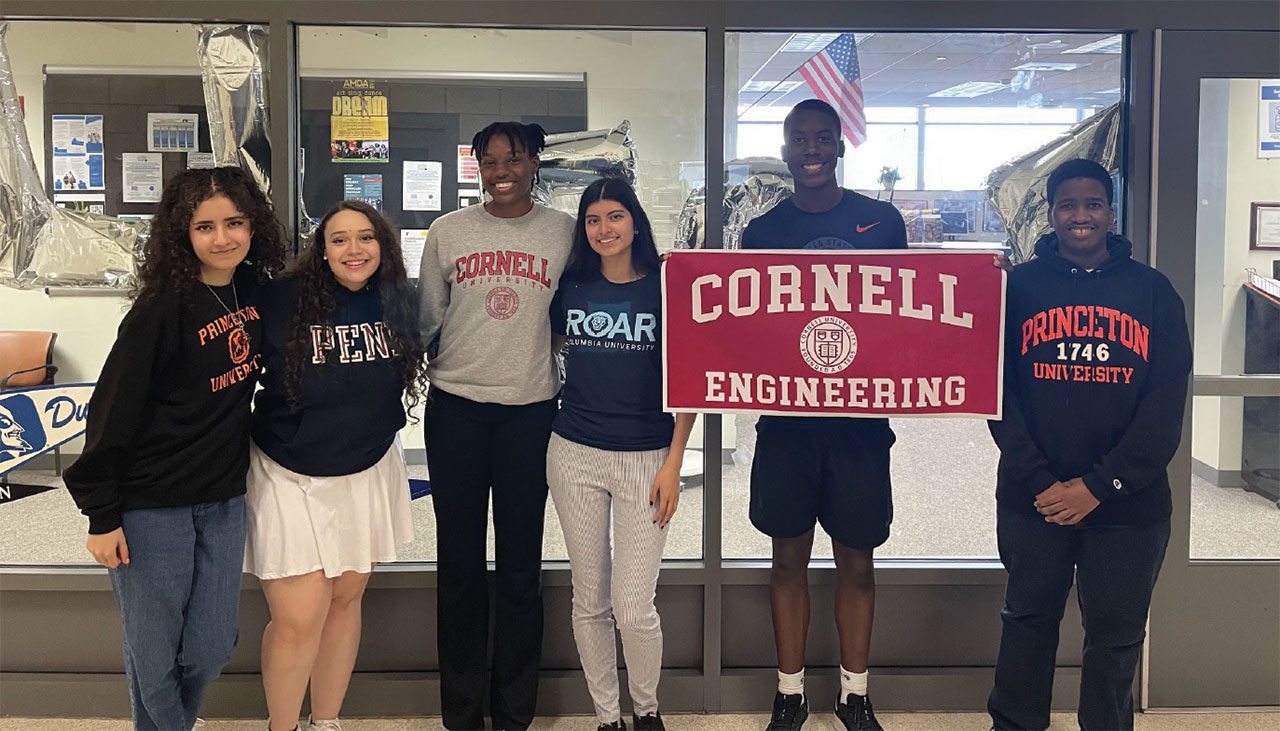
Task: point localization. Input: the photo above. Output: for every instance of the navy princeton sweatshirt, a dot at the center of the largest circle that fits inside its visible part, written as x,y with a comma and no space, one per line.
1096,369
349,406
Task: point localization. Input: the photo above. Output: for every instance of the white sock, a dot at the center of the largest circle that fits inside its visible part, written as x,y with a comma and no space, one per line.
851,682
791,683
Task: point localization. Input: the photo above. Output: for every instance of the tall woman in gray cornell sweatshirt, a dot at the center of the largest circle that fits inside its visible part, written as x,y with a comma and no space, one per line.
488,276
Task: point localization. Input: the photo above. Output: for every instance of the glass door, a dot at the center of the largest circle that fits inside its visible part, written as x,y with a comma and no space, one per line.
1215,231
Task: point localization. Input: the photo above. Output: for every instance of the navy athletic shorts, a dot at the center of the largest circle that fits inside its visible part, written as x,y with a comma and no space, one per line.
832,471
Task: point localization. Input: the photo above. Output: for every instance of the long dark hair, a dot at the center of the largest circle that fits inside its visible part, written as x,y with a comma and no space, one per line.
316,284
584,262
169,263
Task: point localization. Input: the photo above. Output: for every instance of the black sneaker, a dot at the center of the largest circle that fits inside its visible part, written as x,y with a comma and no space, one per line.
857,714
615,726
789,712
648,722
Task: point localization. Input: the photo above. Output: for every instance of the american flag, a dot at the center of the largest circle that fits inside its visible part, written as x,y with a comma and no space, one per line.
834,76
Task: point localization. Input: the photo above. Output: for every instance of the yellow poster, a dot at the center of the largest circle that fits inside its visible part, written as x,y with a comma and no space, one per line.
358,128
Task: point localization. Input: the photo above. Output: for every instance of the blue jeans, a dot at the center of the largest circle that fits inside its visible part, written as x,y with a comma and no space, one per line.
1114,568
179,599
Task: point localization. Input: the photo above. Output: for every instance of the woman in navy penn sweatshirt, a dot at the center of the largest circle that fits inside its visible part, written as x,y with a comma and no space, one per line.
1096,367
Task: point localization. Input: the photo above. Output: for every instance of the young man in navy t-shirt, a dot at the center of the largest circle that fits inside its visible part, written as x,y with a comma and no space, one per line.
829,470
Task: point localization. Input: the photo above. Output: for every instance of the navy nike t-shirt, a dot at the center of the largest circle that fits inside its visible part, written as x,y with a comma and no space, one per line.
612,396
857,222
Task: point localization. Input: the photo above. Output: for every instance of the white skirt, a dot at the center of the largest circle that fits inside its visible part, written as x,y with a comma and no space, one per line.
297,524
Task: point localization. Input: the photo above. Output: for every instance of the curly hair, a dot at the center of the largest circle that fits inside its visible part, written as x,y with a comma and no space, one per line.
169,262
316,304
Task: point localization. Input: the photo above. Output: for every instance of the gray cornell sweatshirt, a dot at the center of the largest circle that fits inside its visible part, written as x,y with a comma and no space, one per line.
486,285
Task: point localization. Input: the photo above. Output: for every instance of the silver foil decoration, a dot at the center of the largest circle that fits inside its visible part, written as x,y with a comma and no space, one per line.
24,209
42,245
1016,189
573,160
233,67
306,224
753,185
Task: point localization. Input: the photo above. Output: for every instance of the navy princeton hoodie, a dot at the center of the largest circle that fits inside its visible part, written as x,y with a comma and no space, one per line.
1096,370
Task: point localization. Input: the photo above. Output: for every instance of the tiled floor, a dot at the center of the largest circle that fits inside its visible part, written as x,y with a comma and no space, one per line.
1268,721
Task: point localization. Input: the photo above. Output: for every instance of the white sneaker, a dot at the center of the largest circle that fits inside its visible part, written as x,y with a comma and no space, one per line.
331,724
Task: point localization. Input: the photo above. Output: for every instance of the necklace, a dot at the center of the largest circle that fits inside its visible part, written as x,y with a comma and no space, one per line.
224,304
237,339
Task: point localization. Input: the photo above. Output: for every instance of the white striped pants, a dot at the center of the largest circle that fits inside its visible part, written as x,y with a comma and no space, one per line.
611,586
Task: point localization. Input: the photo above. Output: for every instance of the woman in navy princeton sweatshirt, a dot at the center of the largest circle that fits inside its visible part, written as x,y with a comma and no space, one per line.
162,475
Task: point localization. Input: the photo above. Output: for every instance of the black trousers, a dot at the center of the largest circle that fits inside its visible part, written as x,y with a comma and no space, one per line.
473,448
1115,569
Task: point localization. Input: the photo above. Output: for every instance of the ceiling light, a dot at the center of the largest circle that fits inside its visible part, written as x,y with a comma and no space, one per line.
780,87
1110,44
808,42
759,113
1046,66
970,89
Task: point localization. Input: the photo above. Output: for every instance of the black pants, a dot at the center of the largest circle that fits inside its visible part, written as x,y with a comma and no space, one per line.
1115,569
472,447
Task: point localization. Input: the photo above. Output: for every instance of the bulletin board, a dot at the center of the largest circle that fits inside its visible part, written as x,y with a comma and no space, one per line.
123,101
428,120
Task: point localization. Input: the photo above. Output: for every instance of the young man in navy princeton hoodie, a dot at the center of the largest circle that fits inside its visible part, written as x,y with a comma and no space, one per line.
1096,368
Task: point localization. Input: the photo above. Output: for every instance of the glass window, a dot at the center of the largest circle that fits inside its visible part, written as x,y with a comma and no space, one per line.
102,81
944,110
1000,115
960,156
1235,446
1235,477
759,139
463,79
894,146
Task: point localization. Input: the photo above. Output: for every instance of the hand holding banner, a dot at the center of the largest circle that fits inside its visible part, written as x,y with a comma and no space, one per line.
819,333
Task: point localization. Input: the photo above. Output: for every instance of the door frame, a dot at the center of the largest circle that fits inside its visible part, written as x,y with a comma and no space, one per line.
1194,628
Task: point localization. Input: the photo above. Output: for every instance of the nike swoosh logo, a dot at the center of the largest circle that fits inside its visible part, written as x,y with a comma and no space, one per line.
863,229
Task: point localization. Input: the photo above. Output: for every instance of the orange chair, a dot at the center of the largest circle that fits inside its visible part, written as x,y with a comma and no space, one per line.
26,359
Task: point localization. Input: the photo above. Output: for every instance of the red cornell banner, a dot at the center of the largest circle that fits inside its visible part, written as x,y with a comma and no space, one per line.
871,334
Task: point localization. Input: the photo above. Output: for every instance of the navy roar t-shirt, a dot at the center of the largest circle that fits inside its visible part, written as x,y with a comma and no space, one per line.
857,222
612,397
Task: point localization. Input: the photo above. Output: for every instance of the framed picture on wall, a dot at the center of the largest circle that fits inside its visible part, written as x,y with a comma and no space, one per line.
991,221
1264,226
959,215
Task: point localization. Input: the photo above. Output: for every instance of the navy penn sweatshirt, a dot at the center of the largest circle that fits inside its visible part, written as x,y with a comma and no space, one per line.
350,406
1096,371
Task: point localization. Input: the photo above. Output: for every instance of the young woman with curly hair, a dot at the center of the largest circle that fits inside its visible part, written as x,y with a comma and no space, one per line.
488,275
328,487
162,475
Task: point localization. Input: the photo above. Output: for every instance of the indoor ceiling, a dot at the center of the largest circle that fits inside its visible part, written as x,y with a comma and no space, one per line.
905,69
